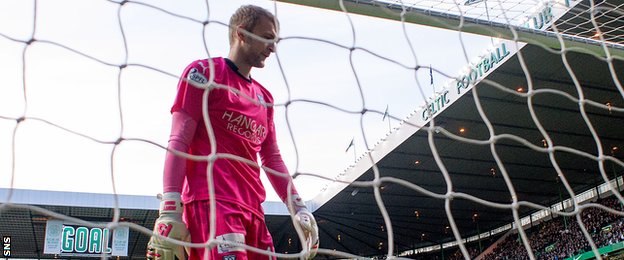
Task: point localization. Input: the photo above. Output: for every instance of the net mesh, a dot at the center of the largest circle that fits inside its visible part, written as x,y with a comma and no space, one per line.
70,67
512,12
607,18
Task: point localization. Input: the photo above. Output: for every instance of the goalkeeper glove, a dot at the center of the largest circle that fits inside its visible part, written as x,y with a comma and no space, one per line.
308,224
310,230
169,224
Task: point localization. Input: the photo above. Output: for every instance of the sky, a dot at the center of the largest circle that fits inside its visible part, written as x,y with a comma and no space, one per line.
83,95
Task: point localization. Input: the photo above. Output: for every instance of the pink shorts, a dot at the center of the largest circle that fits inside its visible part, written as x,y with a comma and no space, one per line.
234,223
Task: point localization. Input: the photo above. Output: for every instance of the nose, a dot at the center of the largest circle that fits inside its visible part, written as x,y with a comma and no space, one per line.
272,46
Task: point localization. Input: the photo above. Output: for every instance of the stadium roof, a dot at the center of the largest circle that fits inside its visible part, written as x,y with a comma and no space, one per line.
472,168
420,220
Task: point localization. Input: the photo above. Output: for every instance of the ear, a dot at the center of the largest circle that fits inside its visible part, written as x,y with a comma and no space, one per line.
240,35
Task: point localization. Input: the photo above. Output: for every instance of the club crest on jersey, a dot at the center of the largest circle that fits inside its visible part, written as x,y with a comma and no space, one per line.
196,76
261,100
229,257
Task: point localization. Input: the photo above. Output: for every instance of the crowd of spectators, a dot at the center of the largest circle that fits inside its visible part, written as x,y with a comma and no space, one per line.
561,237
557,238
472,250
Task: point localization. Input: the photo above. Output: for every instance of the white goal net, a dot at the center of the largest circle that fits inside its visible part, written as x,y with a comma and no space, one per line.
368,95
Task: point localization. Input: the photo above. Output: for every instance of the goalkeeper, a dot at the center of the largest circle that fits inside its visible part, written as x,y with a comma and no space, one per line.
242,120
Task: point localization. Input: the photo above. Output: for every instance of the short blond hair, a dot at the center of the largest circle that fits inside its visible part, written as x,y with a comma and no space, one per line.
248,16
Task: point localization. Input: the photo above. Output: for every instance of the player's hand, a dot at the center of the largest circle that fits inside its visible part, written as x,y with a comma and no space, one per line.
310,230
169,224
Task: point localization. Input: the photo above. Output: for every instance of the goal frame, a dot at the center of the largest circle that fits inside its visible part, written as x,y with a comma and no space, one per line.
455,22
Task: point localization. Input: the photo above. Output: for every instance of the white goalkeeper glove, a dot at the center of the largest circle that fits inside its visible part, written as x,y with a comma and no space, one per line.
308,224
169,224
310,230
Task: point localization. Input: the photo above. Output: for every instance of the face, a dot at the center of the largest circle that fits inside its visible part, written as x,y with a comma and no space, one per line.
255,51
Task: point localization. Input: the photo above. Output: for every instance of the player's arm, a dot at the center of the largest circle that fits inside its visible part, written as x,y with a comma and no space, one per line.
183,129
186,113
169,223
282,183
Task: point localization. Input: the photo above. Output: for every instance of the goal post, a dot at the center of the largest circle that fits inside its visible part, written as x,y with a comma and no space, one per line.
456,22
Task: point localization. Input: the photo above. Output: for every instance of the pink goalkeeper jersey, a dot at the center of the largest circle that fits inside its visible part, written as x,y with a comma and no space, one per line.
241,127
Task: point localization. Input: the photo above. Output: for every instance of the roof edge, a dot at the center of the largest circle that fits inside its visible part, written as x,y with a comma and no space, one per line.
99,200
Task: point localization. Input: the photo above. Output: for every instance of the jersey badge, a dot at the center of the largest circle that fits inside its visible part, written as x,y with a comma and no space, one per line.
261,100
195,76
